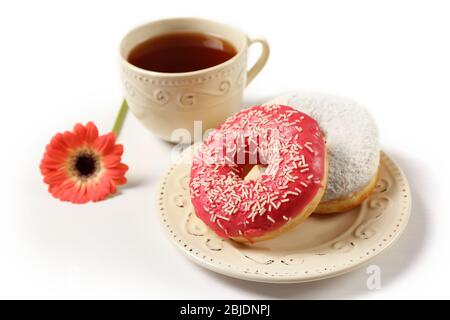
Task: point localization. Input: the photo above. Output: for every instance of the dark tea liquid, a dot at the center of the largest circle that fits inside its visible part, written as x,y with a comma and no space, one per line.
181,52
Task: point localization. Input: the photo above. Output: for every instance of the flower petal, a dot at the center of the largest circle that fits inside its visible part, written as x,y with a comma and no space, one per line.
58,190
58,142
113,185
50,165
119,180
111,161
81,194
93,192
74,194
104,144
80,131
56,177
57,154
72,140
117,150
118,170
102,189
92,132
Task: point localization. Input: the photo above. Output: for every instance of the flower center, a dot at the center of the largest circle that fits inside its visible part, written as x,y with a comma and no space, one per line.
85,164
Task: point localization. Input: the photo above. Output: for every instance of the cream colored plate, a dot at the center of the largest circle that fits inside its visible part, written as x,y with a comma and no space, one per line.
324,246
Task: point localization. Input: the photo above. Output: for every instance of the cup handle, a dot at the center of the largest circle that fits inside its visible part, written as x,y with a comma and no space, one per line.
261,62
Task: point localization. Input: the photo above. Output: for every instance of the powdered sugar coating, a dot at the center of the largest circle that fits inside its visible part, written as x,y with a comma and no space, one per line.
352,139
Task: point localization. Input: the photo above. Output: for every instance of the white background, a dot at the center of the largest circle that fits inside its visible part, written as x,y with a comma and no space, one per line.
59,66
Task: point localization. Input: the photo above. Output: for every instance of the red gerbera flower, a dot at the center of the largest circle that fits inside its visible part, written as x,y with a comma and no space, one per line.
81,166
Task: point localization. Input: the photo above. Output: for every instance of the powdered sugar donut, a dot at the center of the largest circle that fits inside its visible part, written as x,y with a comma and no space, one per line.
290,145
352,144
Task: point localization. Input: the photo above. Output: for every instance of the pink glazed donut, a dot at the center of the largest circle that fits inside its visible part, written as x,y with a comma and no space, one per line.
291,147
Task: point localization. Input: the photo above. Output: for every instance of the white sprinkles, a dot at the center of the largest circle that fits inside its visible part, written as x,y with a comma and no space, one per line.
217,180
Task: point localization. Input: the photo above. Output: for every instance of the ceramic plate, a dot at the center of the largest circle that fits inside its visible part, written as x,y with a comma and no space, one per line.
323,246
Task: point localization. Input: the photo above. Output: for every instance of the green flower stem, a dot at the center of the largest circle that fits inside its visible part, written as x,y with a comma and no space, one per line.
120,118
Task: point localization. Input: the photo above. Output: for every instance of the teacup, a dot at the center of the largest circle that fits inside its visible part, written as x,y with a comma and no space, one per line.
166,103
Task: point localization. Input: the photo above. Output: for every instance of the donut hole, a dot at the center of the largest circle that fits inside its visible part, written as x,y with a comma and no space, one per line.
253,171
248,150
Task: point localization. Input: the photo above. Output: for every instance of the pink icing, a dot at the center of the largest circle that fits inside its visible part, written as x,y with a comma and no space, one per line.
289,142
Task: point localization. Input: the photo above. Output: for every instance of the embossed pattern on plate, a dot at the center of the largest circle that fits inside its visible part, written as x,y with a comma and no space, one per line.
323,246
